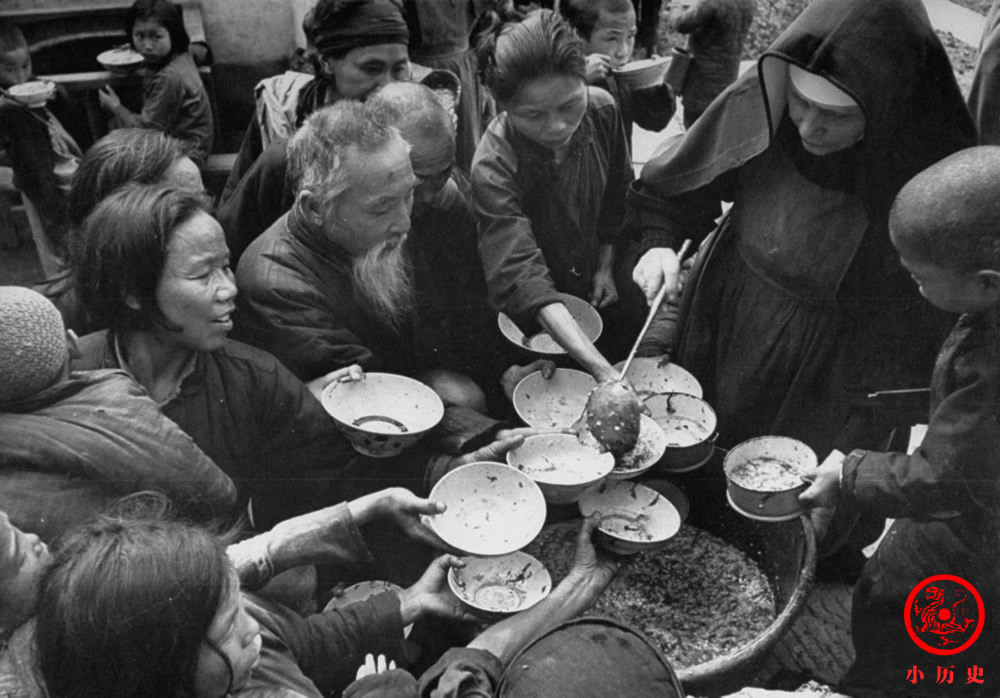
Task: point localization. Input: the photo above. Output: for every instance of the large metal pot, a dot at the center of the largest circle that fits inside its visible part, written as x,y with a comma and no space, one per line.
689,425
760,474
786,553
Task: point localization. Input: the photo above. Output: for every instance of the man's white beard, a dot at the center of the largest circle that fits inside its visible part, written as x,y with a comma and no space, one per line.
382,281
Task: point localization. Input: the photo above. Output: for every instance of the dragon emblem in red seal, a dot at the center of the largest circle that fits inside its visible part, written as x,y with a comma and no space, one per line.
944,614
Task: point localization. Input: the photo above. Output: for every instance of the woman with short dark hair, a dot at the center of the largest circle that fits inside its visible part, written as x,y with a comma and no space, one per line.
360,46
152,267
139,155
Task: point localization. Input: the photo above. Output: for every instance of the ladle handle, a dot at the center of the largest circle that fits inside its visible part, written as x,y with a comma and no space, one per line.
654,306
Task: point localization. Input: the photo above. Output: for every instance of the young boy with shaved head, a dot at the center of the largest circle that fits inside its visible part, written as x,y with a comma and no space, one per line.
945,496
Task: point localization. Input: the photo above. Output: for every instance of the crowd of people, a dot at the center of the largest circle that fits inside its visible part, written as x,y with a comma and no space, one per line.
174,501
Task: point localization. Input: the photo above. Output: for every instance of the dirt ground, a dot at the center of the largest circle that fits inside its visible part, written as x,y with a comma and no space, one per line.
773,16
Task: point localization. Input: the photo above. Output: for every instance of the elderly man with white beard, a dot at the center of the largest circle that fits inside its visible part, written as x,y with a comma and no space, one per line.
330,282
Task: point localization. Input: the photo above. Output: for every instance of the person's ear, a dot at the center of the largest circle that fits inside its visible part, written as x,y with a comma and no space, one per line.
312,206
133,303
989,283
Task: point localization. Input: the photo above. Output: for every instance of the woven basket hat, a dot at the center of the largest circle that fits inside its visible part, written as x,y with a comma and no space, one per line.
32,343
590,657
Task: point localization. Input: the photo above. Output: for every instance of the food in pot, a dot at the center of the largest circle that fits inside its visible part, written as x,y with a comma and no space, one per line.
766,474
612,413
698,598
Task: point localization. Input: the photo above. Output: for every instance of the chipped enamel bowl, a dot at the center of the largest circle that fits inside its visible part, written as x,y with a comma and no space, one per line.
689,426
649,377
499,586
561,466
555,402
121,61
32,94
647,452
493,509
585,315
384,413
762,477
634,518
362,591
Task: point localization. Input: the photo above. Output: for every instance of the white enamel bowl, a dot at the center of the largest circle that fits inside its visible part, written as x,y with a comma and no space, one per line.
32,94
498,586
555,402
493,509
384,413
634,518
561,466
649,377
648,451
585,315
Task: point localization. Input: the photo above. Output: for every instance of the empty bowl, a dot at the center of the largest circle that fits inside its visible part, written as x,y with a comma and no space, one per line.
121,61
585,315
493,509
561,466
633,517
644,73
496,586
555,402
689,426
647,452
32,94
384,413
649,377
763,477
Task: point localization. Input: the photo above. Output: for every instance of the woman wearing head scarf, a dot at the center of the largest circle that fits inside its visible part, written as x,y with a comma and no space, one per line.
800,302
360,46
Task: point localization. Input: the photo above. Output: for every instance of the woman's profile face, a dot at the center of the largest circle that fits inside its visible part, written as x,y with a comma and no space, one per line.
196,290
548,109
237,636
824,129
364,70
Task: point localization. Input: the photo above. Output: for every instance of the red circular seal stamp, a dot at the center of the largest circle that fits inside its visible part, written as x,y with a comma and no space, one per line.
944,614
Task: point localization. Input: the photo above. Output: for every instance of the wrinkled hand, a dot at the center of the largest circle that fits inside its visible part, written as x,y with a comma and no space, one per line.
496,451
431,595
405,509
595,565
373,666
513,375
825,488
525,432
658,267
108,98
604,291
350,374
598,66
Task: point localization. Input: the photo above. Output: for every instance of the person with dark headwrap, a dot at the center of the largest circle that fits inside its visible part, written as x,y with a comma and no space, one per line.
360,46
799,302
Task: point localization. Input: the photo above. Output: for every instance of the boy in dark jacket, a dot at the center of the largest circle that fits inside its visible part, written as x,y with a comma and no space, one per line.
43,155
608,30
945,497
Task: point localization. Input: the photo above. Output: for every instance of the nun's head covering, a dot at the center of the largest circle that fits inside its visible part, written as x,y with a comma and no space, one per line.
32,343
